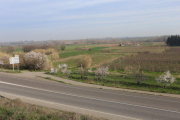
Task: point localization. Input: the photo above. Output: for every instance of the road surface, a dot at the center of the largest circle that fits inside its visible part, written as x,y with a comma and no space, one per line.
110,104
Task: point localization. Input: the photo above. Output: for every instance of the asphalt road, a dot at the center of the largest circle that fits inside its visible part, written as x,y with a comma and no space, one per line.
118,103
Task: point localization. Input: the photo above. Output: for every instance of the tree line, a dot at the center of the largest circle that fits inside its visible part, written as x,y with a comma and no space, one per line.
173,40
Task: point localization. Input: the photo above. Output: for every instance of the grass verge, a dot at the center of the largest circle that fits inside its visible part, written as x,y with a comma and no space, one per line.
49,78
11,71
18,110
126,82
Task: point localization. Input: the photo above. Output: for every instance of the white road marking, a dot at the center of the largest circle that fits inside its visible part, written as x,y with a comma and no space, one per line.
99,91
48,102
91,98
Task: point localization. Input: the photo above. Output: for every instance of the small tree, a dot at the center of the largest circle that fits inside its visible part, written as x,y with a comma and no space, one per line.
101,72
84,61
36,61
166,78
63,47
63,69
52,70
138,76
10,49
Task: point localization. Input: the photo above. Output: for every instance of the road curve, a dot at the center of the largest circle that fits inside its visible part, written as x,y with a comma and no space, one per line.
106,103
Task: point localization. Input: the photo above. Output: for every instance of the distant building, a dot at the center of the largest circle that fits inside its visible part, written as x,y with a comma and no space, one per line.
68,42
129,44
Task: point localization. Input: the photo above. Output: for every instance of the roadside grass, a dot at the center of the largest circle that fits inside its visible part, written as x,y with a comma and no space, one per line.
49,78
124,81
9,71
18,110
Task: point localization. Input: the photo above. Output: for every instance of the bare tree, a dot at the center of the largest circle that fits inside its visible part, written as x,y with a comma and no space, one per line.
138,76
10,49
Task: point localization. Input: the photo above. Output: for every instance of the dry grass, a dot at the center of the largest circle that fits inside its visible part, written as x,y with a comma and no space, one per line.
54,56
50,51
18,110
140,49
84,61
42,51
3,54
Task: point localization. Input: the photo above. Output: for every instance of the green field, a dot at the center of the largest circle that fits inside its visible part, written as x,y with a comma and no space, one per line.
75,53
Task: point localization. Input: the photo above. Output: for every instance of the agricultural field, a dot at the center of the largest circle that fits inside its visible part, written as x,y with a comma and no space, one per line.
169,59
152,59
105,53
99,53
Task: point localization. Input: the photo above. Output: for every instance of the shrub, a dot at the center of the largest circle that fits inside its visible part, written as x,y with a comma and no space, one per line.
66,72
84,61
42,51
63,69
52,70
166,78
101,72
55,56
28,48
35,61
10,49
138,76
63,47
5,60
50,51
82,71
47,46
62,66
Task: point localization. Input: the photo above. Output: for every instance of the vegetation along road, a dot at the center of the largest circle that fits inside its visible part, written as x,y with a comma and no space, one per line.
98,102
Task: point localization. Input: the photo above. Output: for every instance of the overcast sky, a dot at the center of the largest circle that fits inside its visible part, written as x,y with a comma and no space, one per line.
75,19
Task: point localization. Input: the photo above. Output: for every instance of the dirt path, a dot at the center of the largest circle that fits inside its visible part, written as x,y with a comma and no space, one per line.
104,62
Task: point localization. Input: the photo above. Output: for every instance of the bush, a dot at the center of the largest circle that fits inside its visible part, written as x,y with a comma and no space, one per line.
28,48
47,46
63,47
52,71
166,78
5,60
84,61
63,69
50,51
35,61
101,72
55,56
42,51
10,49
138,76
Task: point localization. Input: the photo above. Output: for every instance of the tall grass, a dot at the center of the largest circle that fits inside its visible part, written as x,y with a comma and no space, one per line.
18,110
